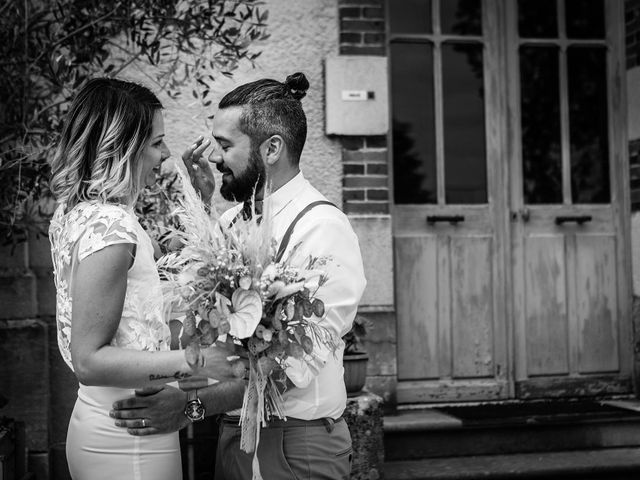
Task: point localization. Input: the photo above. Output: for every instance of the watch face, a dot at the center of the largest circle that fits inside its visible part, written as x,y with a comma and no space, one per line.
194,410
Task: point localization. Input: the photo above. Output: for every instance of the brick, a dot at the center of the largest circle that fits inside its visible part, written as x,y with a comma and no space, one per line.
18,295
353,169
368,50
634,147
361,26
45,291
629,16
366,208
350,12
370,156
352,143
351,37
14,257
377,194
377,169
40,252
364,181
349,194
58,461
377,38
24,377
376,141
360,2
38,464
373,13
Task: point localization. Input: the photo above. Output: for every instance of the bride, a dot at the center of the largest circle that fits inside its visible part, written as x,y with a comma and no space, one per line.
110,324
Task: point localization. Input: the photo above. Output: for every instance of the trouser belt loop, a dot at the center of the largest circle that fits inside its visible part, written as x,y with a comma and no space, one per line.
329,424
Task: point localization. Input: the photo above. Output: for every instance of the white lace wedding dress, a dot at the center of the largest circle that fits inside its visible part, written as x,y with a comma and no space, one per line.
96,448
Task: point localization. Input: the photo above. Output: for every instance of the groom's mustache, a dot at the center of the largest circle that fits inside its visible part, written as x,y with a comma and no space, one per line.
222,169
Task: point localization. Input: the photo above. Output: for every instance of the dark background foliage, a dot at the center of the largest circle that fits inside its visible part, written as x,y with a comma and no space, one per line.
49,48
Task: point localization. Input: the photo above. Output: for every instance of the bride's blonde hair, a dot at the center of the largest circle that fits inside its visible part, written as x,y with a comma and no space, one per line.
105,132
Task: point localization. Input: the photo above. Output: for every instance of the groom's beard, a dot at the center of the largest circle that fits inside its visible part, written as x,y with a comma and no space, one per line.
242,187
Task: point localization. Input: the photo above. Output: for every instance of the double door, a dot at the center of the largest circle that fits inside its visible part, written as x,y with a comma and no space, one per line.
510,199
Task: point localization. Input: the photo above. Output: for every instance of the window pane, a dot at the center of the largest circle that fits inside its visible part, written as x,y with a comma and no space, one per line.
414,157
585,18
410,16
464,126
540,104
537,19
461,17
588,119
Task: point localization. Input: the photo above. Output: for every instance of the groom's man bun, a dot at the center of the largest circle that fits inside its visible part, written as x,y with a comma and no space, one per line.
298,85
272,108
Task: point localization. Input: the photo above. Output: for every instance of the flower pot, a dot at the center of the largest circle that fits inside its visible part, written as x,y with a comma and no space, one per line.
355,372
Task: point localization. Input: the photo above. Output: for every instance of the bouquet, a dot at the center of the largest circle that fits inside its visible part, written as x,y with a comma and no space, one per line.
229,280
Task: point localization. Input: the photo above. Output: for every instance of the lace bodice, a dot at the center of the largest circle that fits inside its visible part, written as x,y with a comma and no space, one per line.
86,229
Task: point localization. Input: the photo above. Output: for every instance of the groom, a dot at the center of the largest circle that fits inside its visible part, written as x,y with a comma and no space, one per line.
260,130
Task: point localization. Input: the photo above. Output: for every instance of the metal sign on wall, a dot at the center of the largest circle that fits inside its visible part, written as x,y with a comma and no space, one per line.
357,95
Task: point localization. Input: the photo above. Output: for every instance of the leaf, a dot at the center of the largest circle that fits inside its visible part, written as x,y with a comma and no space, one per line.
247,305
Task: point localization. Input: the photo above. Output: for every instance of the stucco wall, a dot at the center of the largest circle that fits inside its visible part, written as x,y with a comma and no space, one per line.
302,35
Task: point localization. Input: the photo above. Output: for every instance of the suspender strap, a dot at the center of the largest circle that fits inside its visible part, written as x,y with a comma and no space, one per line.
287,235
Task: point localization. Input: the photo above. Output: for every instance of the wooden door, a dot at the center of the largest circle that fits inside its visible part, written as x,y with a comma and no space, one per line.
450,200
568,197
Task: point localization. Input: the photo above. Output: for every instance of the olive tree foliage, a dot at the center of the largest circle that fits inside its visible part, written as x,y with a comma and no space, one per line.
49,48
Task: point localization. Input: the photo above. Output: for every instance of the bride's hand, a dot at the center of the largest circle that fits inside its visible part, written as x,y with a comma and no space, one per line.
217,361
199,170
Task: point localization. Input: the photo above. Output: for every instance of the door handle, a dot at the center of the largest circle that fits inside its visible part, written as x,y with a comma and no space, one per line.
452,219
579,219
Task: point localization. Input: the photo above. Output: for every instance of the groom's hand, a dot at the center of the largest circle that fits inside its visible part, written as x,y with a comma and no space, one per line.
200,172
152,410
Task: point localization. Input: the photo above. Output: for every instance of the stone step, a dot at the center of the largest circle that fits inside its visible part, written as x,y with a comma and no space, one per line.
601,464
432,433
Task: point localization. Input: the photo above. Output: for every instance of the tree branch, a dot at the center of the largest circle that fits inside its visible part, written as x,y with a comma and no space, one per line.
74,33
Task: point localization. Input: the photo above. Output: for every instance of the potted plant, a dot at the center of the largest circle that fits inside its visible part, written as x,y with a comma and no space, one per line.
355,357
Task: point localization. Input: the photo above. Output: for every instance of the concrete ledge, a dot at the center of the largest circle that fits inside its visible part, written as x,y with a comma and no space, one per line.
576,464
419,420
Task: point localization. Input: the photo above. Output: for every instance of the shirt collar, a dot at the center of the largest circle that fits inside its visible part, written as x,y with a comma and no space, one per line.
286,193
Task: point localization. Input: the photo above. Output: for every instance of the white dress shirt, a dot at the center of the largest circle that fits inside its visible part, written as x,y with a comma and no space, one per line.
322,231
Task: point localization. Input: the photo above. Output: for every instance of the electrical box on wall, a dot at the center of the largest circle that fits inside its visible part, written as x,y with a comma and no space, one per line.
357,95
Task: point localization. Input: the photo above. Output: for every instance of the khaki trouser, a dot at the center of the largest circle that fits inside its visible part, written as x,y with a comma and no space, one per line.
291,450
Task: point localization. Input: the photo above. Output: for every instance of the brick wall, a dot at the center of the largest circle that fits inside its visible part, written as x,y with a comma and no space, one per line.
632,29
365,158
362,27
634,161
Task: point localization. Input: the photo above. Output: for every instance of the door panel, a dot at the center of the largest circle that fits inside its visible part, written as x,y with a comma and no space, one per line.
546,305
416,296
472,311
597,304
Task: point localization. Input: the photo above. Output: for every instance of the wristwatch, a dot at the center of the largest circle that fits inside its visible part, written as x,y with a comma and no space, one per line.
194,410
